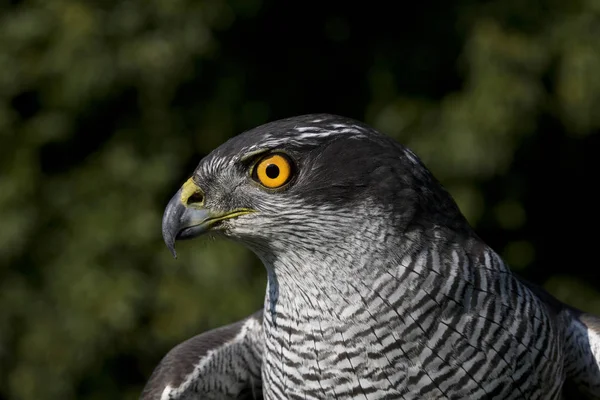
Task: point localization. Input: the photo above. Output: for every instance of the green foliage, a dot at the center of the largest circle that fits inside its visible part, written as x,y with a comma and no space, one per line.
106,107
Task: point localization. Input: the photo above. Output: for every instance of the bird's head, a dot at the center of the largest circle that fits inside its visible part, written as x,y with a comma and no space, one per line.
308,183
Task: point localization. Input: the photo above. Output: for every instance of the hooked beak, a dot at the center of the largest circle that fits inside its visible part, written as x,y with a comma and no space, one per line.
186,217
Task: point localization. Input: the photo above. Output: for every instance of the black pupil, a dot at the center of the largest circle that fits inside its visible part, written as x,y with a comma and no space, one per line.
272,171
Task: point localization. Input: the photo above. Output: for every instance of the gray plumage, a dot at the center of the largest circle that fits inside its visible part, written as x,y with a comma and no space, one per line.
378,288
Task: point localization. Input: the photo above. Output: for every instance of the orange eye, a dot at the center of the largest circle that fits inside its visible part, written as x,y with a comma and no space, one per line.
273,171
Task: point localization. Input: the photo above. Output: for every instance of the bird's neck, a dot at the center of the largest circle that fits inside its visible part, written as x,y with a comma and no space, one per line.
348,282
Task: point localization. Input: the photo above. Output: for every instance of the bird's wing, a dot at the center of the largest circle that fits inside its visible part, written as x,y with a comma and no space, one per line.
582,345
582,351
224,363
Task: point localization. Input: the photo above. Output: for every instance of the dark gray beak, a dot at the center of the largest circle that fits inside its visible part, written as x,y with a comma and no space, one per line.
186,217
183,222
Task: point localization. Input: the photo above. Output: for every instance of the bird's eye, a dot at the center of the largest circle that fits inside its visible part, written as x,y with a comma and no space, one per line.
273,171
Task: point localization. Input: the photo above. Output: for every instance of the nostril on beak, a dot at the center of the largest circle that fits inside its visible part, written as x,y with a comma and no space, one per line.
191,194
196,198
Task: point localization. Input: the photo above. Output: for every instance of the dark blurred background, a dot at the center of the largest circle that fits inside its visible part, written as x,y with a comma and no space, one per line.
107,106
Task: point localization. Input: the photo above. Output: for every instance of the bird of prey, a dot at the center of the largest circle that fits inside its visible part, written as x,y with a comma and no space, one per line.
377,287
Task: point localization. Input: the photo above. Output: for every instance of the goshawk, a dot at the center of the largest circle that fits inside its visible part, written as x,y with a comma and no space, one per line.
378,288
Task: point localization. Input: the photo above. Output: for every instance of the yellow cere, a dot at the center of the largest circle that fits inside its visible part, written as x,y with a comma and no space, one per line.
188,189
273,171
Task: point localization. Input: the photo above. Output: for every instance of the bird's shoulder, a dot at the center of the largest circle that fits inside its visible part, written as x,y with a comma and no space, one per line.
223,362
